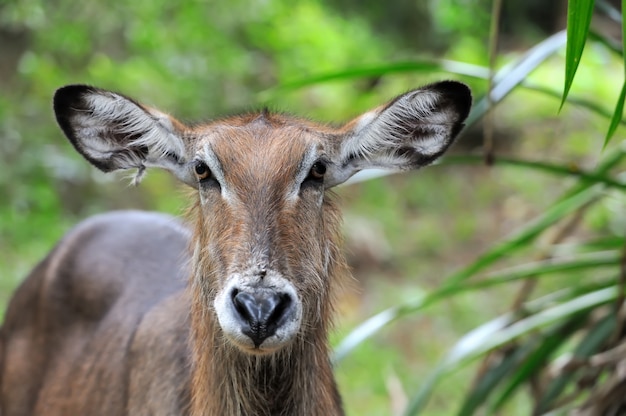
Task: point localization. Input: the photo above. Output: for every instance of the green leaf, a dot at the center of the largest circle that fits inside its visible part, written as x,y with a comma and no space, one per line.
619,106
505,80
528,233
579,14
514,74
453,283
565,170
548,343
498,333
589,345
492,377
533,270
427,65
578,101
617,115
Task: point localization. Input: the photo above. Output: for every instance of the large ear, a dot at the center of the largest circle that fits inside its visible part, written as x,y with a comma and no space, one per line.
411,131
114,132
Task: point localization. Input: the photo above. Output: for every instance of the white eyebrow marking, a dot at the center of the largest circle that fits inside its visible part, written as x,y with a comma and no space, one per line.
307,161
208,156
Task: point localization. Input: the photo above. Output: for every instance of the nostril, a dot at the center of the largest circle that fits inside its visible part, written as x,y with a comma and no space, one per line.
245,305
282,304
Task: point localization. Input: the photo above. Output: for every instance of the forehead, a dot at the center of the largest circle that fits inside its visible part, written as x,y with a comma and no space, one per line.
260,144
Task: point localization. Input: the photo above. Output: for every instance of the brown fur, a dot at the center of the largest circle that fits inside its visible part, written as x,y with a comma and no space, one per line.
128,335
257,384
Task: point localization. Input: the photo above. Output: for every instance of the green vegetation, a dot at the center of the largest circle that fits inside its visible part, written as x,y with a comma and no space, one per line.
481,288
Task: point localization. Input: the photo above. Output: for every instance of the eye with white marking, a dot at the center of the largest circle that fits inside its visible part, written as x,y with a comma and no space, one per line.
204,175
202,171
317,172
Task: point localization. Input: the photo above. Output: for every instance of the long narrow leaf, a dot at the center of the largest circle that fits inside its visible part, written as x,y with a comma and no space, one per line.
565,170
589,345
579,262
426,65
579,14
372,325
492,377
514,74
619,107
379,321
548,343
577,101
498,333
529,232
504,81
617,115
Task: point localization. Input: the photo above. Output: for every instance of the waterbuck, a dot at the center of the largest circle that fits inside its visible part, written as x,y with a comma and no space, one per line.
134,313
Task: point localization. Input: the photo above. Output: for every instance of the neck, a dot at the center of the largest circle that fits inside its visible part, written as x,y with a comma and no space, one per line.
297,380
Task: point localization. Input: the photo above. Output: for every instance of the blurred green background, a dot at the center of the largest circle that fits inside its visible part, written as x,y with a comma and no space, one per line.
203,59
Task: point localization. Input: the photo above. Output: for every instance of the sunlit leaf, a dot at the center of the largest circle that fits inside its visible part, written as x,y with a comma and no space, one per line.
511,76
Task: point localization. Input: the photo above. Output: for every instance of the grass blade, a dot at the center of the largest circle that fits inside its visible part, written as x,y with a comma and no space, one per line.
533,270
579,14
499,332
565,170
558,210
548,343
590,344
514,74
527,234
619,107
492,377
427,65
617,115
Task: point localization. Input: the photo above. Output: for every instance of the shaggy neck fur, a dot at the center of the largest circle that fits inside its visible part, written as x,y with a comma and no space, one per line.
296,380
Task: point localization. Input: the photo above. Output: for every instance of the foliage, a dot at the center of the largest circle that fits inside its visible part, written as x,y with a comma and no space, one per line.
566,345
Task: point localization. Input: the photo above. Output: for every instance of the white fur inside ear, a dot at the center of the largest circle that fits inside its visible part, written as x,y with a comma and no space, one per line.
412,121
134,125
114,132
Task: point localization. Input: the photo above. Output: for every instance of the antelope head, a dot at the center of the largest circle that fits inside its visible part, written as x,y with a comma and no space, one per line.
266,260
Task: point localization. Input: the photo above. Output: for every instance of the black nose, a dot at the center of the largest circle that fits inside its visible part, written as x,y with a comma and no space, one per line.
261,313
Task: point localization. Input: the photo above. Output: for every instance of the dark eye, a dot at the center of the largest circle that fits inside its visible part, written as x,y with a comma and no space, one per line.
317,171
202,171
